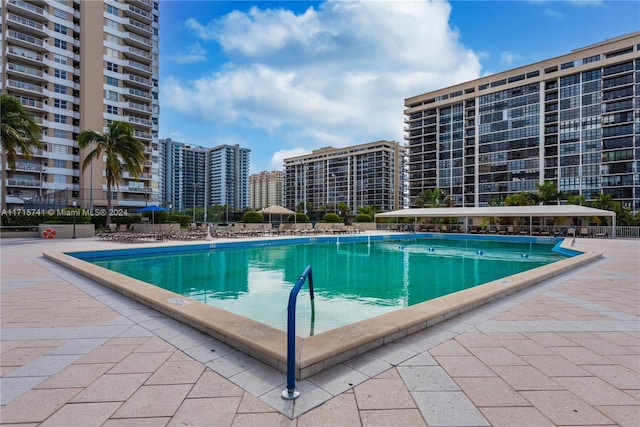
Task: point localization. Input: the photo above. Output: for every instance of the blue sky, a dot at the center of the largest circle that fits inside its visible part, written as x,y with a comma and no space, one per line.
285,78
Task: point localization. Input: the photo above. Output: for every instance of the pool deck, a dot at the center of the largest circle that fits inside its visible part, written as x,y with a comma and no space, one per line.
562,352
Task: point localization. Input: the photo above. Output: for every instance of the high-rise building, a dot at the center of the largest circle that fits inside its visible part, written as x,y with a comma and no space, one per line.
573,120
266,189
75,66
369,174
193,175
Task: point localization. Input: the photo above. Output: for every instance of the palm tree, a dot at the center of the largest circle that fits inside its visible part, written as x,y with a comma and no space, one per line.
434,198
547,192
122,150
604,202
19,133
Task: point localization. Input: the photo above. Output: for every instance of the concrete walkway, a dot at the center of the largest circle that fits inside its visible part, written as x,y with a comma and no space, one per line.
564,352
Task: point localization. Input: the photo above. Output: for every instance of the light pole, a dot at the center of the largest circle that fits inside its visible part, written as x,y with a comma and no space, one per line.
335,193
74,219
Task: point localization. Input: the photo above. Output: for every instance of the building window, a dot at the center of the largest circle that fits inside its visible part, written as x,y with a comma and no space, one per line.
59,148
112,10
60,28
59,13
112,96
61,74
112,81
59,118
59,133
112,53
57,163
60,59
59,103
60,179
112,24
112,67
111,38
60,43
58,88
112,110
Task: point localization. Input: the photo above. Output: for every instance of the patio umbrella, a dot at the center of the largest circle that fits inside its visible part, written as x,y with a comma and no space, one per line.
153,209
276,210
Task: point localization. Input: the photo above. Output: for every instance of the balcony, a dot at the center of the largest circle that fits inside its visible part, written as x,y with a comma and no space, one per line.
138,27
28,88
28,166
31,103
137,107
138,54
138,13
30,183
27,24
141,81
26,9
137,40
24,71
138,94
142,135
25,54
148,4
25,40
139,121
137,66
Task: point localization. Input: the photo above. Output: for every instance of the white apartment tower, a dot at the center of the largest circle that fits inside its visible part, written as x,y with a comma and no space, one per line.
371,174
79,65
573,120
266,189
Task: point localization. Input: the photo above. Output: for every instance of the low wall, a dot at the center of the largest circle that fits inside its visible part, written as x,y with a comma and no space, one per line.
65,231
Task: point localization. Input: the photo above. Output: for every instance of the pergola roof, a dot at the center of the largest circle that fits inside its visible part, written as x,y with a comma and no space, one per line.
502,211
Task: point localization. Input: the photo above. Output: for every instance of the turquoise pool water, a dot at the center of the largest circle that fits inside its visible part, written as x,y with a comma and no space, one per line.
353,281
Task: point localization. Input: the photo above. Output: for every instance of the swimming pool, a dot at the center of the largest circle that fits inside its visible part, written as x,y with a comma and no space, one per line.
353,280
324,350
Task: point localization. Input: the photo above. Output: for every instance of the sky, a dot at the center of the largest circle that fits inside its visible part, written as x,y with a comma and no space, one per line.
283,78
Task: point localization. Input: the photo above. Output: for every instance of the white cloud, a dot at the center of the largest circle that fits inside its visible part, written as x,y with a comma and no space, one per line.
194,53
509,58
336,75
277,160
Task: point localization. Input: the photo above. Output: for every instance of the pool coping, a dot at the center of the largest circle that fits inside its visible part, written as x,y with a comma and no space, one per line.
319,352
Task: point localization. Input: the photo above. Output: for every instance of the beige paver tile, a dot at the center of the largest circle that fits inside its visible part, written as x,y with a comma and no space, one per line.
36,405
186,372
525,347
504,336
138,422
470,339
339,411
595,391
565,408
464,366
388,374
580,355
127,341
516,417
22,355
490,392
155,345
212,384
628,361
624,416
555,366
82,414
449,348
604,347
619,338
140,362
392,418
251,404
112,388
616,375
108,354
154,401
383,394
260,420
9,345
526,378
209,411
76,376
496,356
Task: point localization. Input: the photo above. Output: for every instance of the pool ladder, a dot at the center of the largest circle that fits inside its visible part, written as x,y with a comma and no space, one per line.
290,392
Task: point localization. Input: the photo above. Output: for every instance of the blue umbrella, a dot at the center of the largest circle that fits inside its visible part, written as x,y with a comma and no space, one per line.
153,209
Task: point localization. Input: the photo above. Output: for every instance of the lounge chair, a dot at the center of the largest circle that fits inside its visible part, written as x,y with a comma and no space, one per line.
584,232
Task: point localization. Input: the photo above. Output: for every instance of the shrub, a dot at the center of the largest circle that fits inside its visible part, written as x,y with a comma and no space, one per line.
363,218
298,217
253,217
331,217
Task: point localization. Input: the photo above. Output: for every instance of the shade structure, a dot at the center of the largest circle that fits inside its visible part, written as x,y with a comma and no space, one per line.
153,209
276,210
539,211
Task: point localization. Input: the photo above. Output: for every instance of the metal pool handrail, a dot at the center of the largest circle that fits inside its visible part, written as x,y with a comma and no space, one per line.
291,393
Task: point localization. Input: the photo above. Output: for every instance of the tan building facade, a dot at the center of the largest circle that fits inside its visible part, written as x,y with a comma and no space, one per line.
75,66
266,189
